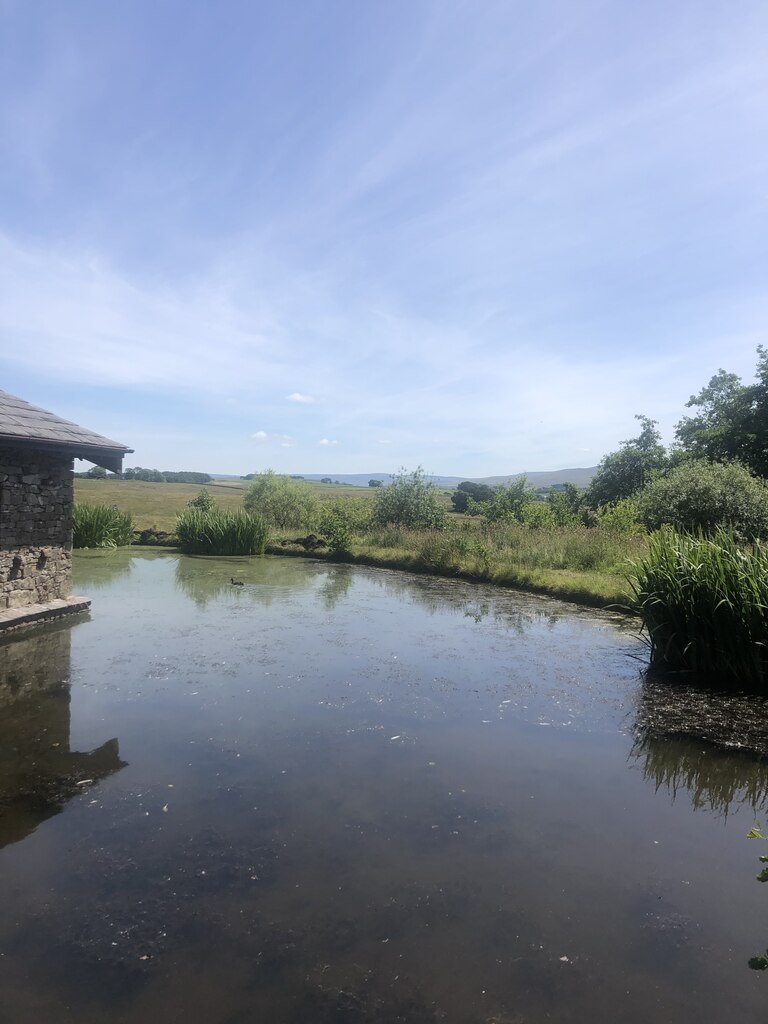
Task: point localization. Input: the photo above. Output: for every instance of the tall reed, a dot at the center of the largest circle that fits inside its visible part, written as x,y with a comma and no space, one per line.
221,532
100,526
704,602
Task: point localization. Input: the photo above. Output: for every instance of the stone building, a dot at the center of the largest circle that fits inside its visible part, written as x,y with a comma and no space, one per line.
37,450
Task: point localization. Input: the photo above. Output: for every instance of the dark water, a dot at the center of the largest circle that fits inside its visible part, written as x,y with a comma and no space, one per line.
338,795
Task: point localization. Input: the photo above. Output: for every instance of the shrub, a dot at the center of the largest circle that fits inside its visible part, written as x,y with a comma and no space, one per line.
100,526
701,495
508,502
704,603
219,532
537,516
620,516
339,520
410,500
205,501
281,500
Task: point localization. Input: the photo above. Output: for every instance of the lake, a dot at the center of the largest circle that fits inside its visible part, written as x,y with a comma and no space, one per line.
336,794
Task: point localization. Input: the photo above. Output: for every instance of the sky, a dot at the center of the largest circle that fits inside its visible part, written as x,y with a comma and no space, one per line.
332,236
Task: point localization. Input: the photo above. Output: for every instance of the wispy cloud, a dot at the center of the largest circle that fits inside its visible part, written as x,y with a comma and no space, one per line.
511,253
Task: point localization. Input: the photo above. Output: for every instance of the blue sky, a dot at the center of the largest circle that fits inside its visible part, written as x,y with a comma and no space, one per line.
333,236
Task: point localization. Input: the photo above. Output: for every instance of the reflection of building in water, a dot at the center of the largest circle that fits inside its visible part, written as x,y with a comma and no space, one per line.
711,746
38,771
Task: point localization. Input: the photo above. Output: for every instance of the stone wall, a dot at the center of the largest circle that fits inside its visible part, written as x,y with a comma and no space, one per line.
36,497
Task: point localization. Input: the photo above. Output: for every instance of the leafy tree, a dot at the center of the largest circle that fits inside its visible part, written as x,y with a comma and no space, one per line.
96,473
375,483
508,502
281,500
621,474
410,500
701,495
732,420
326,480
149,475
566,505
466,490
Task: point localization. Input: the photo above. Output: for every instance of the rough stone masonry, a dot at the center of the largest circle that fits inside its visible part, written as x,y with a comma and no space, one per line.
36,499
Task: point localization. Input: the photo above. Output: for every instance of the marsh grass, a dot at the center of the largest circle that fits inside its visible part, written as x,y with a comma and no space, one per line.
704,604
221,532
100,526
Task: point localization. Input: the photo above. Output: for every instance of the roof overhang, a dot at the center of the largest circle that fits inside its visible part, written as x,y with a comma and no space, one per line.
108,458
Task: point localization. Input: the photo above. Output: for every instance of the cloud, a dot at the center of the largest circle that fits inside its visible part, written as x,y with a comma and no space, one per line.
326,441
297,396
284,440
384,441
260,435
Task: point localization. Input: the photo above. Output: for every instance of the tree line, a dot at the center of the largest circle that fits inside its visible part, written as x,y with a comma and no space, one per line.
154,476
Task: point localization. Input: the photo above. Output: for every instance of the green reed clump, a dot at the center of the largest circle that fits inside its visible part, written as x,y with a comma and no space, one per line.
704,602
100,526
221,532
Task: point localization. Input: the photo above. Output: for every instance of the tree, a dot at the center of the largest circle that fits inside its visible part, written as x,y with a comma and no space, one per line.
326,480
701,495
621,474
508,502
467,490
375,483
566,504
281,500
410,500
96,473
732,421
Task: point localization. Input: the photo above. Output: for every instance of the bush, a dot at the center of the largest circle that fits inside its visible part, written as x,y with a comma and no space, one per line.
219,532
339,520
508,502
282,501
410,500
537,516
704,496
704,603
620,516
100,526
205,501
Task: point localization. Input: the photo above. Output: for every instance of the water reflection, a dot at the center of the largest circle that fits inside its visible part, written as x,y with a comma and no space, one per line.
265,580
709,745
39,772
98,569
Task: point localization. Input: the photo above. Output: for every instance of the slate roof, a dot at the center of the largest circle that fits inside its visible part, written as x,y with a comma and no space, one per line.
29,426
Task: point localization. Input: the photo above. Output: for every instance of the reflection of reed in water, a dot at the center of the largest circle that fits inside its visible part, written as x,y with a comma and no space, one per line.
95,569
38,771
713,746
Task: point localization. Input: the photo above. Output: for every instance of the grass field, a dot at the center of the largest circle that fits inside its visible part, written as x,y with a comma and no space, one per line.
154,506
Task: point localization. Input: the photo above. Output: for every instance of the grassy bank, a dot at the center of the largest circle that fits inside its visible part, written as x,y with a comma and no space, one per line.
576,564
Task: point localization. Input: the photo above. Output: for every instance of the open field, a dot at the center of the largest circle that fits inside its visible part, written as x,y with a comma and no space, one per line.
156,505
153,505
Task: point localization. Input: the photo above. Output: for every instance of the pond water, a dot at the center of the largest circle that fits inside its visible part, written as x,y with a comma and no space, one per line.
344,795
